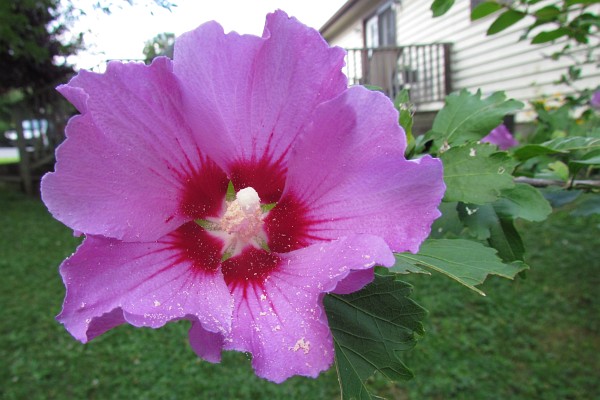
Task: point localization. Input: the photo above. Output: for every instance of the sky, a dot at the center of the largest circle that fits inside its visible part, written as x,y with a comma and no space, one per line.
122,34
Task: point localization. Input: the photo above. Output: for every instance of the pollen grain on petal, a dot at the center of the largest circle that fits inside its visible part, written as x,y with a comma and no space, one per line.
301,344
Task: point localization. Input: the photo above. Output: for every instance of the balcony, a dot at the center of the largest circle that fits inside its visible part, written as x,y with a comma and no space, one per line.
424,70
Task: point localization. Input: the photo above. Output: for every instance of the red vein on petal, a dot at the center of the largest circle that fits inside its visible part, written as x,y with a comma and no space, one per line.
289,227
253,266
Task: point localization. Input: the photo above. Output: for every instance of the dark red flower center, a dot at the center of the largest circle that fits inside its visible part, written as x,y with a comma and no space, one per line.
246,246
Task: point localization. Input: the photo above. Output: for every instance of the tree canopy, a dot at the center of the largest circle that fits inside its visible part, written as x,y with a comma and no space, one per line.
32,45
161,45
36,38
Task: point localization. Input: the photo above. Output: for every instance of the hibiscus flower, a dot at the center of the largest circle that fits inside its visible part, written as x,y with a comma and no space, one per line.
595,100
501,137
234,187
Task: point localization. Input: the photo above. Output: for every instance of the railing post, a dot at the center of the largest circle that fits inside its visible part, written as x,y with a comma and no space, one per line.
447,69
423,69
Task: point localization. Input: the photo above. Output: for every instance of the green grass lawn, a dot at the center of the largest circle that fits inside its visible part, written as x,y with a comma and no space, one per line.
9,160
536,338
8,156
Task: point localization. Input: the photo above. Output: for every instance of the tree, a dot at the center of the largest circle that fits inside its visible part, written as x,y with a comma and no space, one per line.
31,45
161,45
36,38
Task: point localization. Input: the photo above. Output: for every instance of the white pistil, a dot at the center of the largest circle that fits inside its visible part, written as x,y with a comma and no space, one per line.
248,200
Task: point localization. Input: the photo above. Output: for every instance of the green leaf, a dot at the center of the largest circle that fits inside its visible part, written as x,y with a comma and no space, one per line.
533,150
478,219
440,7
208,225
573,143
448,225
483,222
592,158
370,329
484,9
505,20
405,118
267,207
560,197
523,201
468,117
589,206
476,173
548,36
230,195
374,88
547,13
404,267
505,238
402,98
574,2
560,169
465,261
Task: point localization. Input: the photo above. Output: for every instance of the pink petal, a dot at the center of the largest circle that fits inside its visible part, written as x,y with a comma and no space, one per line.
146,284
501,137
255,94
355,280
280,319
130,168
595,100
347,174
206,344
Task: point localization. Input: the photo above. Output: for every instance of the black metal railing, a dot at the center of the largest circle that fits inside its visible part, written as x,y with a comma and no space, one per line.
424,70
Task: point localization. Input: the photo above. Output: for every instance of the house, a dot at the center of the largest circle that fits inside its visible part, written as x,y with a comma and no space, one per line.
396,44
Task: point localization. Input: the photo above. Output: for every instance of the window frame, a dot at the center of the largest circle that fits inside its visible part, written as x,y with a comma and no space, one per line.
384,21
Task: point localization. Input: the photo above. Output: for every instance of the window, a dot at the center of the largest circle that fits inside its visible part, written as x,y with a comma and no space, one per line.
380,61
380,28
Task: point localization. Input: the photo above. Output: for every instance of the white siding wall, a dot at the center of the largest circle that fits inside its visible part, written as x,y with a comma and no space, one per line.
491,63
351,37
